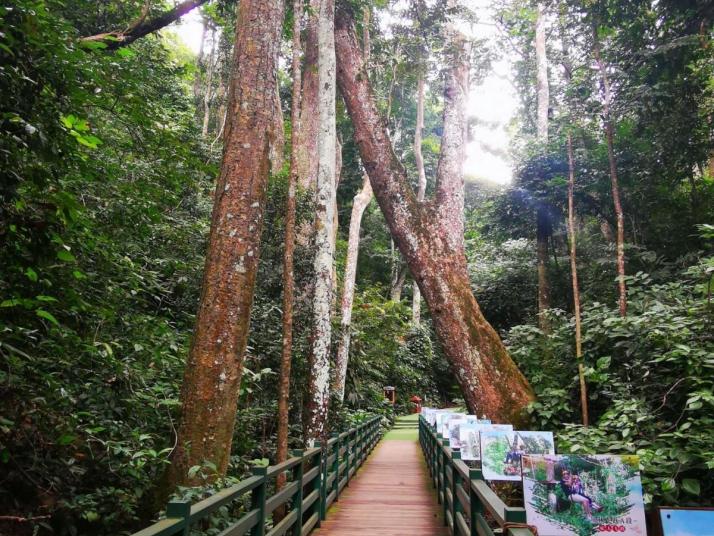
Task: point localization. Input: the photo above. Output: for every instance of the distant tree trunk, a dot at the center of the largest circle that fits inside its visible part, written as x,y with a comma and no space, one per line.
199,61
572,237
610,138
281,449
360,203
336,221
430,234
277,146
576,289
421,191
400,277
213,372
208,90
543,223
319,374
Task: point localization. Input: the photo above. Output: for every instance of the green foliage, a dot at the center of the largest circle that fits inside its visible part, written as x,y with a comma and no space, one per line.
649,379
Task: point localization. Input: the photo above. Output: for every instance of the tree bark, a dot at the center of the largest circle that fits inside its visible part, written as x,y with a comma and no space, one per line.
421,190
281,449
430,234
400,277
309,115
117,39
319,374
610,139
360,203
543,224
213,372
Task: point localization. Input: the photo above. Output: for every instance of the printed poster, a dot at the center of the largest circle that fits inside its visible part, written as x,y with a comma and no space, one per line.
501,452
571,495
470,440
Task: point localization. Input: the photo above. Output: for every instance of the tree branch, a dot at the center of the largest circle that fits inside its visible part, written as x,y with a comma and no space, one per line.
122,38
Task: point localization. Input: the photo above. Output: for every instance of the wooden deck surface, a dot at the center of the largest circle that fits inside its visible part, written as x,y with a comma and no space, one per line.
390,495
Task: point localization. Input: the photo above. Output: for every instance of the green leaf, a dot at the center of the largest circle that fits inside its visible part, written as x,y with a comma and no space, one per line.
669,484
66,439
44,298
11,302
31,274
691,485
65,255
47,316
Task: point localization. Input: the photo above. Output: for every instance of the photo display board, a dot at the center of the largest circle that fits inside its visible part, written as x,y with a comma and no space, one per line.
470,440
501,451
569,495
687,521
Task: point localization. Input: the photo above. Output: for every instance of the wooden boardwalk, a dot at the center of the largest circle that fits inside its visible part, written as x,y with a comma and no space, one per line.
390,495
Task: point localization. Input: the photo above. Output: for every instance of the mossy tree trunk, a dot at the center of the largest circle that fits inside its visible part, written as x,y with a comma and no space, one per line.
215,364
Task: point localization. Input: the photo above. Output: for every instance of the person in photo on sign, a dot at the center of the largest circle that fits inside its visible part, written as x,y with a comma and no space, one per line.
572,486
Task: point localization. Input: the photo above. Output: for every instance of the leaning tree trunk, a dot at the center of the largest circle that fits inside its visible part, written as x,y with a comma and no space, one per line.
543,223
360,203
281,447
430,234
421,190
610,139
213,372
319,373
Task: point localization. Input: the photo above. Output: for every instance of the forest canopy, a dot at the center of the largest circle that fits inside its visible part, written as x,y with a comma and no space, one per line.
239,245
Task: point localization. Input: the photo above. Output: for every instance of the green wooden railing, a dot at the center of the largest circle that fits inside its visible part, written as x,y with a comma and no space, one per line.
464,495
315,477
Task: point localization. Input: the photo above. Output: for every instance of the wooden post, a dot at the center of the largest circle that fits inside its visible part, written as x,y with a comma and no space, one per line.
455,484
182,510
336,466
257,500
444,481
322,483
298,472
476,506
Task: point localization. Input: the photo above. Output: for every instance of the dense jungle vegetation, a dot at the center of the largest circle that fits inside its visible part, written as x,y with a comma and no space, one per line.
110,153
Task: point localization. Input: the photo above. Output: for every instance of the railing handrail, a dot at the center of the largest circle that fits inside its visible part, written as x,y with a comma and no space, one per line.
464,506
348,450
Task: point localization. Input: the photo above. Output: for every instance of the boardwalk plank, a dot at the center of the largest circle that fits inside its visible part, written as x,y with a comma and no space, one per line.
391,495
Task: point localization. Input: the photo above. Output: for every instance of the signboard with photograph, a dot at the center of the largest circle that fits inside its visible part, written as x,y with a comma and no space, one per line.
571,495
501,452
470,441
454,431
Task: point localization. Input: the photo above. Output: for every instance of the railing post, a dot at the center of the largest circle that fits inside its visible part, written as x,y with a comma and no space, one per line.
476,505
257,500
336,466
182,510
321,482
298,472
455,483
444,480
347,458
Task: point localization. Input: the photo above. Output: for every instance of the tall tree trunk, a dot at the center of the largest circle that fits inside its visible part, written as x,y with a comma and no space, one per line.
309,115
213,372
572,237
430,234
610,138
576,288
199,61
277,145
319,374
281,448
360,203
543,223
421,190
208,90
